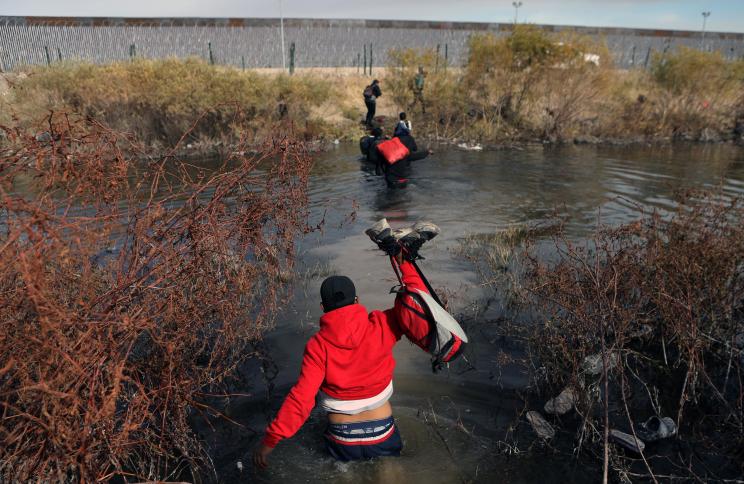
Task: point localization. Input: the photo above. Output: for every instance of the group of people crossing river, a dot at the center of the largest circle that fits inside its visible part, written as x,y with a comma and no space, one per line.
348,364
392,157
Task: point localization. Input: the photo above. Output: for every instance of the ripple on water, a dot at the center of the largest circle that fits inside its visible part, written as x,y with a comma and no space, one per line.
465,193
434,452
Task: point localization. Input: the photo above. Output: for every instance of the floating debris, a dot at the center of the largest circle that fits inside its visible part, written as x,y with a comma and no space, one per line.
541,426
627,441
642,332
44,137
562,404
467,147
657,428
592,364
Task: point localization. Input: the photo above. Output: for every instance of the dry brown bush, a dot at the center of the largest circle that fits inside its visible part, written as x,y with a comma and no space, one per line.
525,85
157,100
129,291
532,85
664,295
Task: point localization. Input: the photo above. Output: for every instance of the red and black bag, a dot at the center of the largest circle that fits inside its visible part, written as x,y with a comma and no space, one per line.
447,339
393,150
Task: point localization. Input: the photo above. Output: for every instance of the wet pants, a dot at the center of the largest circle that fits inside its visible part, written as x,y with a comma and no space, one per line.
363,440
371,108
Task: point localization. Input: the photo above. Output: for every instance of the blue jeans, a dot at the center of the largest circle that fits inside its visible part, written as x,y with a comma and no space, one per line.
363,440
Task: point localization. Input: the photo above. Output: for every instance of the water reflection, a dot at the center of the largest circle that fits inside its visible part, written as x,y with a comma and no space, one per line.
465,193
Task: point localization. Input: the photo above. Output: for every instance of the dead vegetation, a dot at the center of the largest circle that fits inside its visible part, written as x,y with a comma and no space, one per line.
639,321
661,302
158,100
129,293
527,86
533,86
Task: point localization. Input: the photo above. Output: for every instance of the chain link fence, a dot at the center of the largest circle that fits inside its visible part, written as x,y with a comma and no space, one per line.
256,43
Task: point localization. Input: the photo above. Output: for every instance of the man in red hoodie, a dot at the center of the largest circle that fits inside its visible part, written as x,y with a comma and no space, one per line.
350,359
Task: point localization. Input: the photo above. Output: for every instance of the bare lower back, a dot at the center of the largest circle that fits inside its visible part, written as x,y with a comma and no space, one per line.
378,413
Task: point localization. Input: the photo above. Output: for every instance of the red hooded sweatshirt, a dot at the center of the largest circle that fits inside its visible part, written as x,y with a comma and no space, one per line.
350,357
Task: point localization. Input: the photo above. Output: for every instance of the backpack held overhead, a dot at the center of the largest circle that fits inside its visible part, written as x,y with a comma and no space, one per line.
447,340
393,150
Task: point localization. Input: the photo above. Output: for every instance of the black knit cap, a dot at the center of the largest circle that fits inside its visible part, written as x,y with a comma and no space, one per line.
337,292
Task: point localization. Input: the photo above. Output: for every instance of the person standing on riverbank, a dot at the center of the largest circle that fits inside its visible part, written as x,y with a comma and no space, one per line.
350,359
417,86
371,93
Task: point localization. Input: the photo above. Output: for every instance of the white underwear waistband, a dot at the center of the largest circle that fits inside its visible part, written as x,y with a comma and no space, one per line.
353,407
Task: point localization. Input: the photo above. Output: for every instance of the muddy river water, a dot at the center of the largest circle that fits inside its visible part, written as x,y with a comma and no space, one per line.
460,425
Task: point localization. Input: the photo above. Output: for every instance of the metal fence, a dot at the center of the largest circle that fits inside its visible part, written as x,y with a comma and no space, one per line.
318,43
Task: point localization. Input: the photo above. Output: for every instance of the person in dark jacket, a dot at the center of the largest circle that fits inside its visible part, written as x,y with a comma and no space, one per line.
373,154
367,142
371,93
396,175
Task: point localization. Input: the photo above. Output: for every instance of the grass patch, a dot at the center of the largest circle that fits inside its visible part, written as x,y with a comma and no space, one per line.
158,100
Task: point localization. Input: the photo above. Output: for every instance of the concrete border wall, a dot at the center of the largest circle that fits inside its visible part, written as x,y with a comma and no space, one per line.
319,42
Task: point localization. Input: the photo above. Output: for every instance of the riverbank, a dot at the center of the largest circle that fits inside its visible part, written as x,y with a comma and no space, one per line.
130,293
531,86
523,89
633,336
158,101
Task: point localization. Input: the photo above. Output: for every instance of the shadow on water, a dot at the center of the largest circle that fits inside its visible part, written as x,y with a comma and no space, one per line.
457,426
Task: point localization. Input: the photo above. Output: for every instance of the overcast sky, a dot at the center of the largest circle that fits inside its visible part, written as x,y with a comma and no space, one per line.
726,15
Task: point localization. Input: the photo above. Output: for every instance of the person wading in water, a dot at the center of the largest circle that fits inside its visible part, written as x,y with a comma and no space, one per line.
371,93
350,359
394,158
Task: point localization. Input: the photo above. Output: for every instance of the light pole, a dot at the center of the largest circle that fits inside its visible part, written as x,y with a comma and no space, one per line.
705,20
516,11
281,29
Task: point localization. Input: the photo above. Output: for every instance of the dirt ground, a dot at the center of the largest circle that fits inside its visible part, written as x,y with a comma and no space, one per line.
346,109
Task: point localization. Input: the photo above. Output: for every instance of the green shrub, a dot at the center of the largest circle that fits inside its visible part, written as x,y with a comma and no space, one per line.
529,45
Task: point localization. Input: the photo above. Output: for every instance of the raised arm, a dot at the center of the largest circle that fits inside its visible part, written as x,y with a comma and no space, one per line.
407,317
418,155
